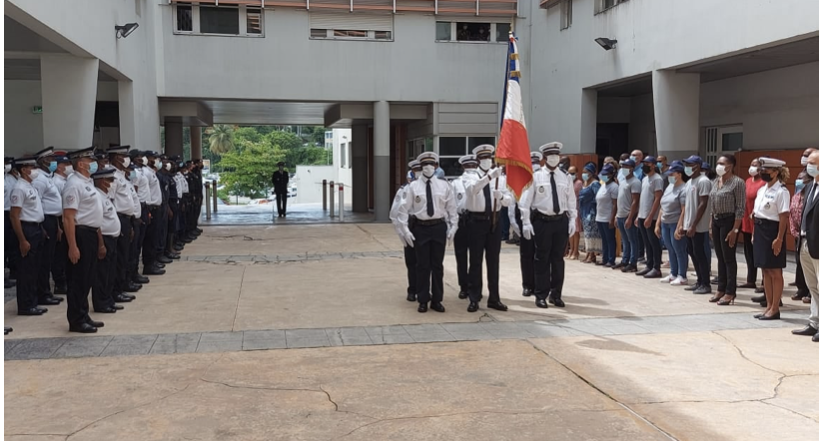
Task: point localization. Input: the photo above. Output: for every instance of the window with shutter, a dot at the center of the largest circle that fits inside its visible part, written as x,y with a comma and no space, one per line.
357,26
254,21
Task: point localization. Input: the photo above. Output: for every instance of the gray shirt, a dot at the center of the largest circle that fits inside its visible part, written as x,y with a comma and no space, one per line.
626,189
696,188
649,187
672,200
606,194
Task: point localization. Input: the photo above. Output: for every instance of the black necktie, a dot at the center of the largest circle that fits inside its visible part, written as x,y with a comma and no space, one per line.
487,194
429,200
554,189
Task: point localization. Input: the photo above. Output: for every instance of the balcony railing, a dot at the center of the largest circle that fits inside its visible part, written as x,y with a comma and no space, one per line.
499,8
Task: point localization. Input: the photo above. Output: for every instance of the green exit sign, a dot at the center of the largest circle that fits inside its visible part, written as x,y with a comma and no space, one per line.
37,110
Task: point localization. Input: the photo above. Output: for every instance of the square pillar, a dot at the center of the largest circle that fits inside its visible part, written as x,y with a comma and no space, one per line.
359,168
173,138
382,160
676,107
70,87
126,114
589,123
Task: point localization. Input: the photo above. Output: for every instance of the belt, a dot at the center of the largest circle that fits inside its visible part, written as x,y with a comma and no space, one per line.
56,216
30,224
479,215
129,216
545,217
429,222
759,221
86,228
723,216
153,207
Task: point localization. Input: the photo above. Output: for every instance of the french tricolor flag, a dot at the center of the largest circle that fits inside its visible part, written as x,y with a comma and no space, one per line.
513,144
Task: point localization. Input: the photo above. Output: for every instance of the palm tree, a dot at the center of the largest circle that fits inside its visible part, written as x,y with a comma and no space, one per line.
221,138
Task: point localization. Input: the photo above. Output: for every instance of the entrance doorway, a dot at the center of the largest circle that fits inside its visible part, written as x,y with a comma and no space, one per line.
721,140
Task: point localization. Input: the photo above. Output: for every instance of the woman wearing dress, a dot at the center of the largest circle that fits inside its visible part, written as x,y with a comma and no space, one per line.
770,219
575,239
606,207
752,186
727,208
672,207
587,210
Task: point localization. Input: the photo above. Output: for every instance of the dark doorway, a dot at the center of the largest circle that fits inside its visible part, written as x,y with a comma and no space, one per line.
612,139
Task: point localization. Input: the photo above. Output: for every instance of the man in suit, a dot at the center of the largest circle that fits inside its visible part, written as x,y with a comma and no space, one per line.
809,245
280,188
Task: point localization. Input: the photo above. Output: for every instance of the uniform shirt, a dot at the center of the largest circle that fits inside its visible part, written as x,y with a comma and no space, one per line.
142,183
771,202
80,194
649,186
539,195
475,199
136,201
111,226
59,182
674,197
9,181
120,193
49,194
415,202
626,189
696,188
751,190
155,197
459,187
399,198
26,197
606,194
730,199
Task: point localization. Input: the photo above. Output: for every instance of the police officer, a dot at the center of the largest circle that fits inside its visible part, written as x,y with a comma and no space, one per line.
408,251
163,168
121,192
527,246
486,195
197,187
141,184
280,180
103,294
64,169
52,210
173,203
549,203
12,250
431,201
461,239
26,216
155,199
82,220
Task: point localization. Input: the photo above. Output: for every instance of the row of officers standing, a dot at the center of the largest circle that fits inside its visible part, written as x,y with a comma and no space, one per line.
87,218
428,212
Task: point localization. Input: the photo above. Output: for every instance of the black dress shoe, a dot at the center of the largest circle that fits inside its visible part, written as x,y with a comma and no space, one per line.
6,330
133,287
558,302
117,307
107,310
186,240
423,307
84,328
30,311
42,310
140,279
808,330
815,338
759,290
541,303
497,305
756,316
173,256
129,296
463,295
154,271
179,247
653,274
60,289
94,323
528,292
121,299
473,306
776,316
158,265
163,259
629,269
764,304
758,299
438,307
48,301
643,272
692,287
411,297
747,285
620,266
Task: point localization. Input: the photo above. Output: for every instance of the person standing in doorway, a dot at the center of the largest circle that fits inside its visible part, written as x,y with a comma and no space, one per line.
280,188
696,223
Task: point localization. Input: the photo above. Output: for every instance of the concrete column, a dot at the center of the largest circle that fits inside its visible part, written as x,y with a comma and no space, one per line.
126,114
195,142
676,107
382,160
359,169
589,123
173,138
69,86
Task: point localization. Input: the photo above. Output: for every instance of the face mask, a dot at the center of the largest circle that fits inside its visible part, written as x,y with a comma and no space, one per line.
659,165
535,167
158,164
799,184
688,171
7,168
646,168
624,172
585,176
671,179
133,175
93,167
417,174
812,169
34,174
126,162
604,178
721,169
766,177
552,161
485,164
144,160
52,166
68,170
803,161
572,176
168,166
428,171
753,171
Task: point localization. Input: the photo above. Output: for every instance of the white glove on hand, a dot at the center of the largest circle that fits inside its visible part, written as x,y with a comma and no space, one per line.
402,237
494,173
516,229
571,227
451,232
409,238
497,194
528,231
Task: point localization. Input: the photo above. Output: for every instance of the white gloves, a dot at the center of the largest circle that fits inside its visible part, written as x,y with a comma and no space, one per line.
516,229
571,227
408,236
401,236
528,231
451,232
497,194
494,173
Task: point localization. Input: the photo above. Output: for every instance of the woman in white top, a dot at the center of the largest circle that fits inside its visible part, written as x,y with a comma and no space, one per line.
770,218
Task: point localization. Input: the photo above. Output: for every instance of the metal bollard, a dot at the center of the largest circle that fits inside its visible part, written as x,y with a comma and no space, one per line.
333,210
341,202
324,195
215,197
207,199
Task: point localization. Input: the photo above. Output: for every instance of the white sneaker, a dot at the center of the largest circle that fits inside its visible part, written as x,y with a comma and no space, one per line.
668,279
679,281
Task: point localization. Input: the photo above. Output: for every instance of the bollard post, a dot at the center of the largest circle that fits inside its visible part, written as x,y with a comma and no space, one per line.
324,195
215,197
341,202
207,199
333,211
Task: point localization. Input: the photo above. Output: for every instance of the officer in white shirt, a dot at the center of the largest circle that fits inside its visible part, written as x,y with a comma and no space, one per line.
157,216
408,251
121,191
12,249
461,239
26,218
64,169
103,294
142,189
527,246
82,220
52,211
431,202
550,204
486,194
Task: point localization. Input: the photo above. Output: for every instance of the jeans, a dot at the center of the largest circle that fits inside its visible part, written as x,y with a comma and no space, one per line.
725,254
699,248
608,243
629,240
676,250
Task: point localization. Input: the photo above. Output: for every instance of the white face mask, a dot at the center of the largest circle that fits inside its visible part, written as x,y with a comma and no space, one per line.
34,174
535,167
624,172
144,160
485,164
168,166
552,161
803,161
417,174
7,168
126,162
721,169
428,171
68,170
753,170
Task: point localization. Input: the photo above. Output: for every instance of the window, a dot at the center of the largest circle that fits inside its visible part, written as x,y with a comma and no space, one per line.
721,140
603,5
444,30
472,31
254,21
346,26
319,33
184,18
502,32
382,35
566,14
205,19
351,34
452,148
219,20
328,135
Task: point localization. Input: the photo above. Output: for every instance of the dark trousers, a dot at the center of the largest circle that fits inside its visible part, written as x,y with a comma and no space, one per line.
152,230
81,275
551,240
104,276
59,261
281,202
140,228
123,242
161,232
12,248
747,239
430,247
641,239
608,242
652,245
697,247
504,223
461,255
527,258
484,237
47,255
725,255
801,284
28,267
411,268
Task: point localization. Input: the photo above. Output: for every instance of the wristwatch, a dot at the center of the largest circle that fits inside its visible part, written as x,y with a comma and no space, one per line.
736,230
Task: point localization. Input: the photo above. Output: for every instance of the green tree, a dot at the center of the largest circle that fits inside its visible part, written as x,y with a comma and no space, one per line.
250,168
221,138
285,140
319,136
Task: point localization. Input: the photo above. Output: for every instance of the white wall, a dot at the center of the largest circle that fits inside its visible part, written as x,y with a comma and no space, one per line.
309,182
343,174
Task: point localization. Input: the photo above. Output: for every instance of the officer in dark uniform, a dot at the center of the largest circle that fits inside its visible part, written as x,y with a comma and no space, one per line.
280,188
173,202
197,192
140,224
461,239
26,217
153,240
165,181
527,246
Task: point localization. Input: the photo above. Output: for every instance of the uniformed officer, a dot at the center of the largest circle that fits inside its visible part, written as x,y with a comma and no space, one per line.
26,218
82,220
461,239
141,184
52,211
432,203
408,251
103,294
549,203
486,195
280,181
12,250
174,195
149,254
64,169
197,187
527,246
163,168
121,192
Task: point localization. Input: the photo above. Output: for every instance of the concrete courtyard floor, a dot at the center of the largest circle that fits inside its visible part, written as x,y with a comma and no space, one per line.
302,332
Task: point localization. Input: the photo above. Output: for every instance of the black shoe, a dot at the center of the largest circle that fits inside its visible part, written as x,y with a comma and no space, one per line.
438,307
541,303
642,259
692,287
107,310
814,339
186,240
756,316
558,303
60,289
463,295
178,247
48,301
528,292
808,330
117,307
497,305
764,303
121,298
759,290
83,328
163,259
758,299
776,316
620,266
629,269
747,286
94,323
643,272
173,256
423,307
154,271
140,279
411,297
653,274
702,290
715,281
473,306
6,330
30,311
158,265
133,287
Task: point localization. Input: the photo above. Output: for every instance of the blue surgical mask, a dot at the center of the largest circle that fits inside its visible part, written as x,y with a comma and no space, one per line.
133,175
93,167
799,184
52,166
671,179
585,176
688,170
658,164
604,178
624,172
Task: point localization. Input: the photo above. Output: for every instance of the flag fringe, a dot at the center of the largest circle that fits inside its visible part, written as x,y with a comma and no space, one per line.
515,163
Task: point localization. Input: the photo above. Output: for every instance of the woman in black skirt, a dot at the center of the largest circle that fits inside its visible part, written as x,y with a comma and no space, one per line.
770,218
